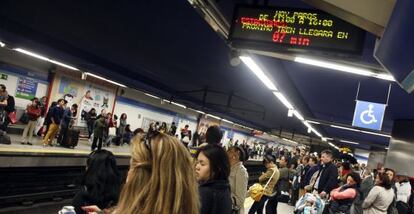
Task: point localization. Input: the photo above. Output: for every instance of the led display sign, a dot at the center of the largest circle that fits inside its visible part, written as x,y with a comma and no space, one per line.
294,29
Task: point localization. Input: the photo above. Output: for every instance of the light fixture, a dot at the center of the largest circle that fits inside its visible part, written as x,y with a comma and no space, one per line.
333,145
344,128
374,133
2,44
248,61
38,56
200,112
298,115
153,96
323,139
283,99
344,68
210,115
178,104
350,142
290,113
314,122
362,131
227,121
107,80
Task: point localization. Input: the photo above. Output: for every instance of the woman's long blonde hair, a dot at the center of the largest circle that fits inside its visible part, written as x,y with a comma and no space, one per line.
161,180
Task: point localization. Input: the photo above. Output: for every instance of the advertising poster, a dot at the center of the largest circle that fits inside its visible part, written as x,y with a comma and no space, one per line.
86,95
204,124
26,88
96,98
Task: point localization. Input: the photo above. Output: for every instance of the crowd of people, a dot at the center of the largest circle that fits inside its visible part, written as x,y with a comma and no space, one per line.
165,178
212,179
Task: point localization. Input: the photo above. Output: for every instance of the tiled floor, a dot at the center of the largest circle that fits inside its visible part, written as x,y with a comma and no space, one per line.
282,208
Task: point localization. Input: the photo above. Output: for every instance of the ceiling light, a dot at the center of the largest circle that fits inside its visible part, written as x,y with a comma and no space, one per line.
248,61
385,77
344,68
227,121
178,104
362,131
298,115
200,112
374,133
314,122
153,96
38,56
323,139
316,132
210,115
63,65
2,44
283,99
333,145
350,142
107,80
345,128
35,55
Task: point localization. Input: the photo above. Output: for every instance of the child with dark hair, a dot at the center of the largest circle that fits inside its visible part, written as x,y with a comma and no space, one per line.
101,182
212,172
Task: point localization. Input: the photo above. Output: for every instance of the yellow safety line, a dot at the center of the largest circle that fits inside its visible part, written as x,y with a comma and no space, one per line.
28,150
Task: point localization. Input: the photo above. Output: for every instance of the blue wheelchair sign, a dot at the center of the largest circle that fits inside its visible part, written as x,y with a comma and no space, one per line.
369,115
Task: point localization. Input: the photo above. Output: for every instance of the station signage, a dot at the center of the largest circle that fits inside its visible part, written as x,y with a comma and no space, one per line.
294,29
369,115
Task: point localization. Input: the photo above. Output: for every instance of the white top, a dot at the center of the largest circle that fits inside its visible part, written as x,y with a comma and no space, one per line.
238,184
403,191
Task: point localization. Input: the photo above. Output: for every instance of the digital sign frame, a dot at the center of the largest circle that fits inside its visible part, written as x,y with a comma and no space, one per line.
293,29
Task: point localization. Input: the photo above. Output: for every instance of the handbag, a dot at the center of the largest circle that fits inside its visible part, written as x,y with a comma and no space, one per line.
256,191
12,117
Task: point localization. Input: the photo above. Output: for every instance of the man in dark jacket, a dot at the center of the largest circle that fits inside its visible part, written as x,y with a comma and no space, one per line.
56,114
65,124
327,178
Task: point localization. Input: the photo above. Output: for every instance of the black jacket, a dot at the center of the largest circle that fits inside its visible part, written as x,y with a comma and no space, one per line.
82,198
10,104
215,197
328,178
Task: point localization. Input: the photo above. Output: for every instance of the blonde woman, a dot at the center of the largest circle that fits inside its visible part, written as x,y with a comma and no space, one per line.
160,179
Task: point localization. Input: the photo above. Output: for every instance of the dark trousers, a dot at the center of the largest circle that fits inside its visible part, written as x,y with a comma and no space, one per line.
257,206
271,206
90,128
63,135
5,123
295,197
95,139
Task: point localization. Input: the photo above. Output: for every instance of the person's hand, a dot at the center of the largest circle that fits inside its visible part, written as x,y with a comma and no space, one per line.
322,194
93,209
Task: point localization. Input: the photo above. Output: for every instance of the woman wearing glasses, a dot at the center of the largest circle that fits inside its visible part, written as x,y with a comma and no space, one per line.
212,171
160,179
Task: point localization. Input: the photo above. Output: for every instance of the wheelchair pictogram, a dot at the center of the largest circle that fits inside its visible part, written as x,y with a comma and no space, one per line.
367,116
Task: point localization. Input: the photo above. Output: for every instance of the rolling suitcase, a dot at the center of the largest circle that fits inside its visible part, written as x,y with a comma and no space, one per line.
72,138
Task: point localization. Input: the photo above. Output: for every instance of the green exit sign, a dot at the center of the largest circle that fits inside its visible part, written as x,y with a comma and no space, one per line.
3,76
